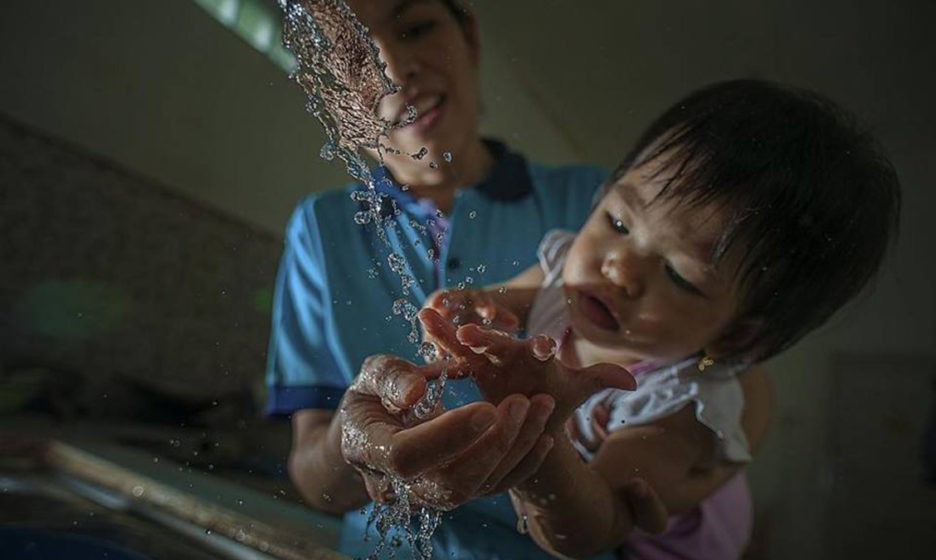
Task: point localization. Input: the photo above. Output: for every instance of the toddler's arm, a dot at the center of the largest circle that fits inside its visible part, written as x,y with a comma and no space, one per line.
575,508
572,507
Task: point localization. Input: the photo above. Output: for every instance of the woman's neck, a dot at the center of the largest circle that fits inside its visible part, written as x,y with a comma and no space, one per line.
439,184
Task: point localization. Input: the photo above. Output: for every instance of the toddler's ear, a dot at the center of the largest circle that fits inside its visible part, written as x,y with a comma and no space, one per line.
737,340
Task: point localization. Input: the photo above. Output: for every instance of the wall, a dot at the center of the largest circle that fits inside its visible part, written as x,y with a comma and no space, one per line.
162,89
167,91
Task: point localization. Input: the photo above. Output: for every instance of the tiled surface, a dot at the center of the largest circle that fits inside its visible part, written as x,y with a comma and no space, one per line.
104,275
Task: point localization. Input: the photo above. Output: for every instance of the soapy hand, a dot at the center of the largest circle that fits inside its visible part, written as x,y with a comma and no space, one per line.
446,457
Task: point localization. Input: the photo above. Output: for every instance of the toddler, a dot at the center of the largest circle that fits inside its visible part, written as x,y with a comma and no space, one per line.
744,217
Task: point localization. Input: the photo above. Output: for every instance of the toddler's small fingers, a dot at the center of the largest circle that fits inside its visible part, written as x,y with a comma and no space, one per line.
495,345
440,332
506,320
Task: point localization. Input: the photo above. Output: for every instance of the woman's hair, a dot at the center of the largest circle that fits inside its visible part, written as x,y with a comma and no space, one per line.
811,200
459,12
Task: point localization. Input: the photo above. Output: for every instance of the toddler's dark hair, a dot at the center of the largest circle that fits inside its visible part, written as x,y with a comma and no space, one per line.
808,193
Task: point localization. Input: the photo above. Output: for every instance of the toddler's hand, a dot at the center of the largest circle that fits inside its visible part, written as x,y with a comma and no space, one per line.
468,306
503,365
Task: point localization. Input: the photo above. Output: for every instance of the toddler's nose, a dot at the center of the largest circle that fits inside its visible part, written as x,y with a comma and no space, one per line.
624,273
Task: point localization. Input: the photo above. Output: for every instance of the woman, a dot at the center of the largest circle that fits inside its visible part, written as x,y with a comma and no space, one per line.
335,291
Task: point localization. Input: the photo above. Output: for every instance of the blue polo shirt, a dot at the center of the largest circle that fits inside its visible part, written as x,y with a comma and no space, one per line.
336,289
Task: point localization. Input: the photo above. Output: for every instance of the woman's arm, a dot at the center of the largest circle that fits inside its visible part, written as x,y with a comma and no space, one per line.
317,467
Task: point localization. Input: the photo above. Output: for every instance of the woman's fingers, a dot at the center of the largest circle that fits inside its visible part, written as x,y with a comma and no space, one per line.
437,442
442,333
462,479
367,430
541,407
527,467
397,382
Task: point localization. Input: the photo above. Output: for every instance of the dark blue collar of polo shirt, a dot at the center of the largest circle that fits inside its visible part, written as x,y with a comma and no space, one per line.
509,180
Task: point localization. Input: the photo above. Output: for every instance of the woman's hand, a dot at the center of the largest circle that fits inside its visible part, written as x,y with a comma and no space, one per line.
448,457
503,365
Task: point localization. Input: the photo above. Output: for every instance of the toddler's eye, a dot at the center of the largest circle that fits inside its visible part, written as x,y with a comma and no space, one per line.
681,282
617,224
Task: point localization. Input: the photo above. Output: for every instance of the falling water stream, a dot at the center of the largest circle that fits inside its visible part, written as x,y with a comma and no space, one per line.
339,68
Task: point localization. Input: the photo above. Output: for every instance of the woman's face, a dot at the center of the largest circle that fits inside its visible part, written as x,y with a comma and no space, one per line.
434,60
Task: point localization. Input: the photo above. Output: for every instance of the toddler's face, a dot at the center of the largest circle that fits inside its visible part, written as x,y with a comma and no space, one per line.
639,279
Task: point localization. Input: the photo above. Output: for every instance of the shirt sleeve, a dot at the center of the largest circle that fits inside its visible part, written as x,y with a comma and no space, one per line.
302,371
717,398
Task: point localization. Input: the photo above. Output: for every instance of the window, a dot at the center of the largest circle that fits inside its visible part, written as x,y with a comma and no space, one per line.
258,22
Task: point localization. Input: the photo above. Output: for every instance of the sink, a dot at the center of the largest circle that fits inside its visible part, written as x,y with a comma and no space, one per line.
86,499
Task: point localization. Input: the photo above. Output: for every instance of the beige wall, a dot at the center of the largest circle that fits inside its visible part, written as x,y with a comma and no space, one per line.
167,92
163,89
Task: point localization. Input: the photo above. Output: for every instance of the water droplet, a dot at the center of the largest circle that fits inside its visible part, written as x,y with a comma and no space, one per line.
472,215
433,165
515,263
427,349
481,269
138,491
328,151
502,290
421,153
522,527
447,156
362,218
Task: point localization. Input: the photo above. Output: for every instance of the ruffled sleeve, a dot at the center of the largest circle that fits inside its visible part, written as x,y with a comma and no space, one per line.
547,315
716,395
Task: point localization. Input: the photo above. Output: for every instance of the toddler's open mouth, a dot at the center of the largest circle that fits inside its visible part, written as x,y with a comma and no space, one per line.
597,311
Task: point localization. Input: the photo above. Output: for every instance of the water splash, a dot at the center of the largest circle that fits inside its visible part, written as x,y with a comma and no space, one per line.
339,68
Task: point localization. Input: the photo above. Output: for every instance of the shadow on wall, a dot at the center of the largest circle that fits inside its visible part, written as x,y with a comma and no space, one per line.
119,298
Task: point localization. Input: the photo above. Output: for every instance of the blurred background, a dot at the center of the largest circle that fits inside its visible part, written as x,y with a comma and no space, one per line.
150,154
